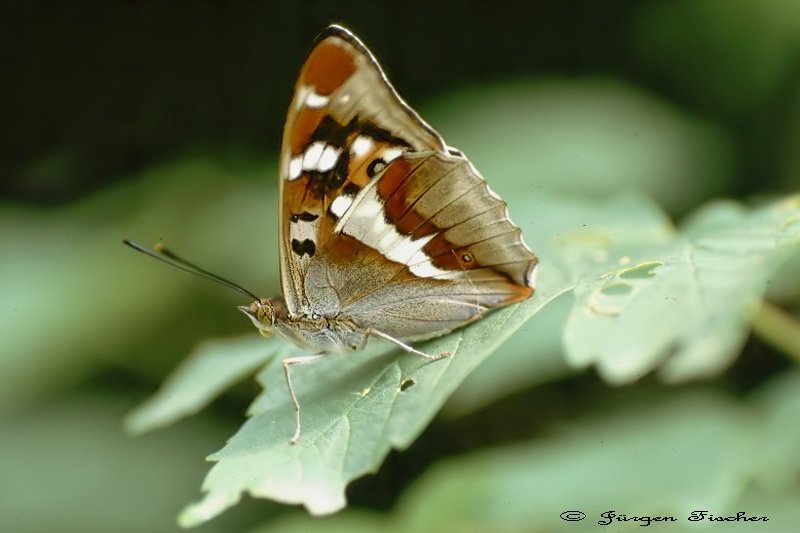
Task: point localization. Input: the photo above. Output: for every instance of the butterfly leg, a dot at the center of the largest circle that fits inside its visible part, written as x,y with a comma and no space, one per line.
302,360
406,347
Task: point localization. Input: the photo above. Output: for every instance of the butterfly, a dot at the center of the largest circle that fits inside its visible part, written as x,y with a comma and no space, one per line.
385,231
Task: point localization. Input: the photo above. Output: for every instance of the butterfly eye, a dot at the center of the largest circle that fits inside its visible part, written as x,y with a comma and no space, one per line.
467,258
265,312
375,167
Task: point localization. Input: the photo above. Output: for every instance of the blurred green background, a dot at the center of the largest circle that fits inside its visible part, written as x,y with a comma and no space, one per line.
161,120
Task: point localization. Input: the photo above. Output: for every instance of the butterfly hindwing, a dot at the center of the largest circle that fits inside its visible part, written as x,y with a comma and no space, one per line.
422,249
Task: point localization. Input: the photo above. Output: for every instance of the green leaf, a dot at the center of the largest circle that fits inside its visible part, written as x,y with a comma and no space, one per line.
703,445
212,368
639,287
683,306
778,461
709,449
704,459
533,355
576,239
355,408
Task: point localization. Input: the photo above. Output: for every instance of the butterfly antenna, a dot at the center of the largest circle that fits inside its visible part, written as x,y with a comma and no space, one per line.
162,254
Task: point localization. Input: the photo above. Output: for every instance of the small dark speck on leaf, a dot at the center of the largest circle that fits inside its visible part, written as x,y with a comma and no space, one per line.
407,384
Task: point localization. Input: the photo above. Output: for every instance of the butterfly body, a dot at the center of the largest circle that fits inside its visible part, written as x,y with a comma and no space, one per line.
384,230
328,334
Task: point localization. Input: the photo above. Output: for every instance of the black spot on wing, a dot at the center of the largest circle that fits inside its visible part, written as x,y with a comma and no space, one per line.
381,135
375,166
323,183
334,135
340,171
305,217
351,189
331,132
305,247
340,136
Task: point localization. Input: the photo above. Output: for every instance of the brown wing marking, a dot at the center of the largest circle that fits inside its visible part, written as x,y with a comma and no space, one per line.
341,95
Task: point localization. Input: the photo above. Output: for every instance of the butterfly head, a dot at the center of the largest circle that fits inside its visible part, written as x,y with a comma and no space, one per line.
263,314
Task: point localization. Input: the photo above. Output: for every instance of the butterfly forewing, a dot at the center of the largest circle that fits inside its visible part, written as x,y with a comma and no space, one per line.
381,223
344,125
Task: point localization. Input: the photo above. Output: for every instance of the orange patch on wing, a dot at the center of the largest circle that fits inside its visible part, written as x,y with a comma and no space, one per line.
297,199
441,252
304,126
395,188
327,67
410,222
389,189
518,293
394,175
343,247
357,165
357,174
